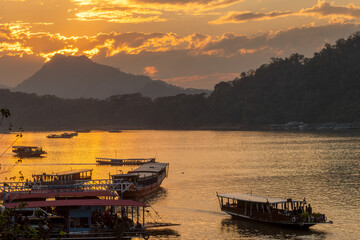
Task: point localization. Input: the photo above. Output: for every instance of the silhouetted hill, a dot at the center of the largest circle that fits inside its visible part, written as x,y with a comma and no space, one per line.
75,77
324,88
3,86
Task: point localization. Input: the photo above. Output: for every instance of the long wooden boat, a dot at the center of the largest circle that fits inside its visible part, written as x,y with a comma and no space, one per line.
146,179
66,176
285,212
28,151
125,161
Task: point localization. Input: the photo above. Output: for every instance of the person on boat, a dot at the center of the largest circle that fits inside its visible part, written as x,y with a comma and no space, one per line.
300,210
310,213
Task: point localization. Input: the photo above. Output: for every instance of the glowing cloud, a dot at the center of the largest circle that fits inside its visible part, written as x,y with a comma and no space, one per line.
188,6
150,71
325,9
241,17
322,9
119,14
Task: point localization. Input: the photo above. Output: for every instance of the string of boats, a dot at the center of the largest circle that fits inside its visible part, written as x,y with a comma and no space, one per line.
72,205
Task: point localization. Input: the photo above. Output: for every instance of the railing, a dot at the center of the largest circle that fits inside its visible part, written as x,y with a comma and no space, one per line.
112,185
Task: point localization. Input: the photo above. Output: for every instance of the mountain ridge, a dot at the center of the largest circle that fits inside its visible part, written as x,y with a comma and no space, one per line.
80,77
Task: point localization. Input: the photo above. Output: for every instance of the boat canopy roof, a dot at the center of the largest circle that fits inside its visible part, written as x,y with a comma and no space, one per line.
77,202
136,174
151,167
258,199
25,147
127,159
71,172
34,194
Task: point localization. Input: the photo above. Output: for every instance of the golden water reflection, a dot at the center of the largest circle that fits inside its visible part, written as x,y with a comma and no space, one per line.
323,167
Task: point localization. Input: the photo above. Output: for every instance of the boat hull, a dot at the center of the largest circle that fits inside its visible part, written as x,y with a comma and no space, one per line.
142,192
114,163
299,225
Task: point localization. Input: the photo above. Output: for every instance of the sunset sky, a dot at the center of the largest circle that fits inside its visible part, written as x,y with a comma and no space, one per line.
189,43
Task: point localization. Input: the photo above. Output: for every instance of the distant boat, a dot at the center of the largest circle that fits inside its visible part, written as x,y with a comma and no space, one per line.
63,135
146,179
28,151
125,161
83,131
285,212
114,131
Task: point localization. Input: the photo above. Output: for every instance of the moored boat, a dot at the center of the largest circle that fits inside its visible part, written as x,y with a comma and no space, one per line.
145,180
125,161
66,176
63,135
28,151
285,212
83,131
114,131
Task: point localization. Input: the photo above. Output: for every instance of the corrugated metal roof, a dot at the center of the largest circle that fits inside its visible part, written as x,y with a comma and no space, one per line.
25,147
82,202
29,195
65,172
253,198
151,167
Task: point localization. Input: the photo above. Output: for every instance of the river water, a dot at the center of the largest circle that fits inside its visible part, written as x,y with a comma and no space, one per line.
323,167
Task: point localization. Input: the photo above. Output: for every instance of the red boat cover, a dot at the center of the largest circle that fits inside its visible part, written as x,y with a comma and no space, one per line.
77,202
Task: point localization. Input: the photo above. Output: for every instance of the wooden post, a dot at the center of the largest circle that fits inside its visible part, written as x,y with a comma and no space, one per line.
143,217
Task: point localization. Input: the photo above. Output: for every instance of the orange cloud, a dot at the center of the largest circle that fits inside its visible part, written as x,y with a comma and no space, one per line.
325,9
119,14
148,6
17,39
322,9
241,17
150,71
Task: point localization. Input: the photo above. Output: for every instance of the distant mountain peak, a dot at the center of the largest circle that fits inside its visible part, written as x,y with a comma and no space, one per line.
61,59
78,76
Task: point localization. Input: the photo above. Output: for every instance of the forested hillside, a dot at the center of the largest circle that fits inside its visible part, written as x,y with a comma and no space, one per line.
324,88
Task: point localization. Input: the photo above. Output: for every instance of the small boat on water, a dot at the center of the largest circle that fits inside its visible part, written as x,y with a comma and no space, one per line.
285,212
114,131
63,135
125,161
145,180
83,131
28,151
